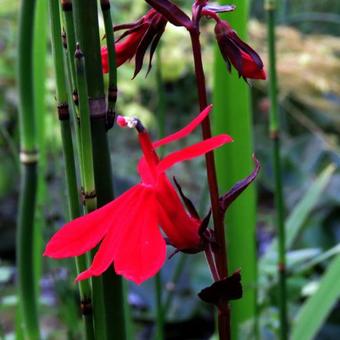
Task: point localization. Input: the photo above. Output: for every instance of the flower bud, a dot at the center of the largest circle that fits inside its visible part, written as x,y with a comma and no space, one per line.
236,52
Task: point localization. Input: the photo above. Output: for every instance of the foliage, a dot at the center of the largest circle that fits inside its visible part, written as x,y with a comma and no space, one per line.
309,69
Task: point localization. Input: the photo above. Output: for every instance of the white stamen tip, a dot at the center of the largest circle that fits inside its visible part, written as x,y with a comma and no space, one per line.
129,122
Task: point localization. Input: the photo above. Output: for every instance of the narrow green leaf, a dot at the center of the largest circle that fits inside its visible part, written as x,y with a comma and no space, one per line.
298,216
318,259
315,310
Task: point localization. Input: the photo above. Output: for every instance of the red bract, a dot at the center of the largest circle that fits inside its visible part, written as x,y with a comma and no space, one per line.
136,39
237,52
128,227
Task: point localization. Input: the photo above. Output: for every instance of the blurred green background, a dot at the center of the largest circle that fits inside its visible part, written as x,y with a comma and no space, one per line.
308,42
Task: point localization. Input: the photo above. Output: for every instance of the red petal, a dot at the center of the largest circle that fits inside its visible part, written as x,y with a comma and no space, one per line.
136,246
144,172
193,151
84,233
147,164
250,68
186,130
143,250
105,59
181,229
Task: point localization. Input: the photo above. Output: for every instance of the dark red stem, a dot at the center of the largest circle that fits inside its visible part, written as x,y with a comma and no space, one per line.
218,218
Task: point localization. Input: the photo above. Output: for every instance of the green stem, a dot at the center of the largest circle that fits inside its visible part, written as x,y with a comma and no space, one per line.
28,156
69,47
172,283
159,308
232,115
85,133
270,7
39,56
161,132
113,321
67,143
89,191
110,43
70,41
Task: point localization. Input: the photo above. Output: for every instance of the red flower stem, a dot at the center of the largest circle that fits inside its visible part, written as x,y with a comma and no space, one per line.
218,218
210,259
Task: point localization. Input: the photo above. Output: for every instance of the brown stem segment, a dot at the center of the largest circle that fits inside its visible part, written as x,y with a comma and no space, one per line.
220,253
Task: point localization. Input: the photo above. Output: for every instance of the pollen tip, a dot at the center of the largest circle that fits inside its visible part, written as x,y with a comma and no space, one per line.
129,122
122,121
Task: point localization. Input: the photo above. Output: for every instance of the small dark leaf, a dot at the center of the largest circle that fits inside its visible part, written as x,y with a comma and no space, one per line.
142,47
189,205
140,27
128,26
171,12
239,187
223,290
220,8
153,46
204,224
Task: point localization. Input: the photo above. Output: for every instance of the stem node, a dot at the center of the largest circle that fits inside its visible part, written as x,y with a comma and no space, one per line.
63,111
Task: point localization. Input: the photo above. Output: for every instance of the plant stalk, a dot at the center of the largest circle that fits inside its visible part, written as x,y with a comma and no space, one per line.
39,60
26,249
160,312
270,7
70,168
89,189
221,252
113,320
110,43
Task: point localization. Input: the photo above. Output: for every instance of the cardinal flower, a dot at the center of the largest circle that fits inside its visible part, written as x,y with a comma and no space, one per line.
129,228
136,39
237,52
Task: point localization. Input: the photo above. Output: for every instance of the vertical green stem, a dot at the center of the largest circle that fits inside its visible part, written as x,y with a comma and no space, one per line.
87,34
39,60
270,7
159,307
85,132
27,291
70,169
161,127
89,191
110,43
232,115
174,279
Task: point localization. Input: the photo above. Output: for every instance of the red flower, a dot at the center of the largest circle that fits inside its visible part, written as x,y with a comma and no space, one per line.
237,52
139,36
128,227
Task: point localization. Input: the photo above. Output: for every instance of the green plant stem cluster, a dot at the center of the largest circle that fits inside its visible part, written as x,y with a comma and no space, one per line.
26,250
81,101
274,128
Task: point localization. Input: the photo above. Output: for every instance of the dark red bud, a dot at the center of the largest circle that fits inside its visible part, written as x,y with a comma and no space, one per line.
172,12
237,52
